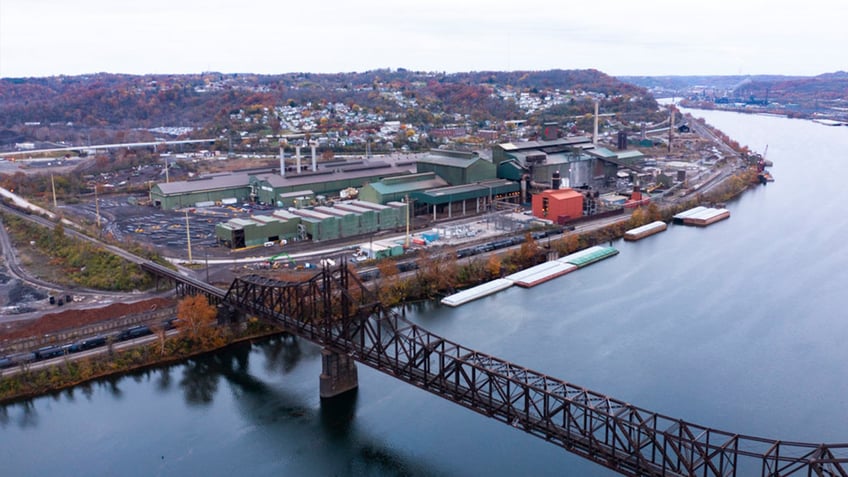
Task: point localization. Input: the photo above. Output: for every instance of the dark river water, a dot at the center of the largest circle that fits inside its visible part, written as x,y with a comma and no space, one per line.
739,326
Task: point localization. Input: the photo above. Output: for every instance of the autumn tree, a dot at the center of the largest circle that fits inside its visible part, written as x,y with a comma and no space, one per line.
493,265
196,315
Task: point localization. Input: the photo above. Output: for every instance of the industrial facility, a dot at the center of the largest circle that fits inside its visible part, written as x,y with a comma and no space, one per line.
312,202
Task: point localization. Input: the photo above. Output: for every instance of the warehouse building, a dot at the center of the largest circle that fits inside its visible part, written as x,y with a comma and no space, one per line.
268,187
257,230
559,205
322,223
460,200
457,168
399,188
579,162
224,189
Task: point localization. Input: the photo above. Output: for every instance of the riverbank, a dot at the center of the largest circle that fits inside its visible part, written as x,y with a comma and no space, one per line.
163,351
437,277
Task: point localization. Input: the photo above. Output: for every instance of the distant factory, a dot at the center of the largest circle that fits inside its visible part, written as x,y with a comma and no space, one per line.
313,201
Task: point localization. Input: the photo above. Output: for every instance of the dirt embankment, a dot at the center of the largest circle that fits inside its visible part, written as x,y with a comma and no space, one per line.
72,318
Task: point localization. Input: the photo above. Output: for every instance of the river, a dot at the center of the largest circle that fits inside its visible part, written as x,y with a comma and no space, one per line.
738,326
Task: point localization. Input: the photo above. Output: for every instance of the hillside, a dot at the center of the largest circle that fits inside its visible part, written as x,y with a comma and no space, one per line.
105,107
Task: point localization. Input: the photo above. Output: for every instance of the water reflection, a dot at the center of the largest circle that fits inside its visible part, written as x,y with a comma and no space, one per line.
163,380
22,414
337,414
199,382
281,353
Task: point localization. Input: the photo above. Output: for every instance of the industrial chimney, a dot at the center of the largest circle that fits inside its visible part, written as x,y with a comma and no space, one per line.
282,161
595,135
556,181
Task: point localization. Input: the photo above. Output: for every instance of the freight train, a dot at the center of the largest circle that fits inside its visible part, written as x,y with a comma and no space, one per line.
54,351
373,273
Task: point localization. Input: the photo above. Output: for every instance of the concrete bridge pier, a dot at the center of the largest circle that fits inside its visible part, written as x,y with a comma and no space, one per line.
338,374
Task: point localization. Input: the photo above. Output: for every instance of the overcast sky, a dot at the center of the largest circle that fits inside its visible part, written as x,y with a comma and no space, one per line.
618,37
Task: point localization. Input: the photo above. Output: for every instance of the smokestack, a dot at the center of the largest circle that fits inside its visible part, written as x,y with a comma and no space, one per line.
282,161
556,182
595,135
297,156
314,159
671,127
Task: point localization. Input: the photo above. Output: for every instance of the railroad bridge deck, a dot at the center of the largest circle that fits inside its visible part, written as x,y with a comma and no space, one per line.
335,311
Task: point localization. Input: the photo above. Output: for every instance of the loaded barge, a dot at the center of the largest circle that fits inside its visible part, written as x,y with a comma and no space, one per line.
645,231
701,216
540,273
534,275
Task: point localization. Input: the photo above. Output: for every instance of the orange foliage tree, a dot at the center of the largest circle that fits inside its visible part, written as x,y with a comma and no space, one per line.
196,315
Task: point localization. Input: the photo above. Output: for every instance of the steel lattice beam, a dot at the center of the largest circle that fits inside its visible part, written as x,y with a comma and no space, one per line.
333,310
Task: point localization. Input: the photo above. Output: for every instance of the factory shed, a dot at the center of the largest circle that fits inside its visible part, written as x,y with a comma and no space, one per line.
398,188
295,199
466,199
367,217
560,205
456,167
228,188
319,226
241,233
329,179
349,222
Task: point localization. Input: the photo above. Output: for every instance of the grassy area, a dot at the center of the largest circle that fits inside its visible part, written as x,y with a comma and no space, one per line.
52,255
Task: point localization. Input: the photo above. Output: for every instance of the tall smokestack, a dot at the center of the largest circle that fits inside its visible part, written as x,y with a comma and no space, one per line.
595,135
282,161
556,182
297,156
314,159
670,127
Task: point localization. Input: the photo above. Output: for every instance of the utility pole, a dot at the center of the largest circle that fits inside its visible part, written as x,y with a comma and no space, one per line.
188,237
97,207
670,126
53,186
407,221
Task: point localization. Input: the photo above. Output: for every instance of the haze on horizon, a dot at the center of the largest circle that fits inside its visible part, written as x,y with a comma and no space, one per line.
646,38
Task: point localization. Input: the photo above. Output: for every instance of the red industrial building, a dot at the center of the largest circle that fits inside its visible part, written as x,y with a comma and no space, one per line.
558,205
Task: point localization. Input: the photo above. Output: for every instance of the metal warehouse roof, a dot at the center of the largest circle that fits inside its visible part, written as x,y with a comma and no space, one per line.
564,141
292,179
204,184
282,214
412,182
296,194
352,208
368,205
333,211
465,161
444,195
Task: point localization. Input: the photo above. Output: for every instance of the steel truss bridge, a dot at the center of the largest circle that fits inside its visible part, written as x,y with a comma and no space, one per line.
335,311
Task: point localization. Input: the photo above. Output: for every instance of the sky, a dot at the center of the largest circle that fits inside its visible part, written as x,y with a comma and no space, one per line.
619,37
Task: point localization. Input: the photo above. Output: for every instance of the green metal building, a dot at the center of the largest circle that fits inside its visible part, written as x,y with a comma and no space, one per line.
398,188
217,189
461,200
241,233
456,167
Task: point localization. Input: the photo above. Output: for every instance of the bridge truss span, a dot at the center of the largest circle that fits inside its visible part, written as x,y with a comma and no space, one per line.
335,311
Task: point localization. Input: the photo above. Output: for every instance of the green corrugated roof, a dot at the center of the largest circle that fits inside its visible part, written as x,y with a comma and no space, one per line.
423,182
450,161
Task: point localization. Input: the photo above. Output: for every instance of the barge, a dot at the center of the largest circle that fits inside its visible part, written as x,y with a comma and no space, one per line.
479,291
589,256
645,231
541,273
